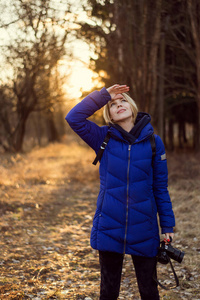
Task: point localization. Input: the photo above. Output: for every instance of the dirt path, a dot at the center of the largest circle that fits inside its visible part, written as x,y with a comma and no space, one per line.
47,202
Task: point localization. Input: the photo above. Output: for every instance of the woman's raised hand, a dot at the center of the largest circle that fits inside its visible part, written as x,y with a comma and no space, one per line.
116,90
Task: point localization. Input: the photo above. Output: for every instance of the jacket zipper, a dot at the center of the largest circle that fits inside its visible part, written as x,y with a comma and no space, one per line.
129,155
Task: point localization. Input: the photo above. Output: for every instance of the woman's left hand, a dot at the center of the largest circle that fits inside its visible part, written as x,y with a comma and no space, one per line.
168,235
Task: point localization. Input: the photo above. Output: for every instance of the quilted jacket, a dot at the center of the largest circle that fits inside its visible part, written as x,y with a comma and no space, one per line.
132,192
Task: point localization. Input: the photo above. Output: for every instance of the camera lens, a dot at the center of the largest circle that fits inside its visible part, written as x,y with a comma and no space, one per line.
177,255
180,257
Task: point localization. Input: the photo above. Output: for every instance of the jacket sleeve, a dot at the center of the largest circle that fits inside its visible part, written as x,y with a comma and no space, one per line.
160,188
90,132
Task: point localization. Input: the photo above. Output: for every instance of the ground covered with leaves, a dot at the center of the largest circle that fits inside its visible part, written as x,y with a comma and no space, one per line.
47,202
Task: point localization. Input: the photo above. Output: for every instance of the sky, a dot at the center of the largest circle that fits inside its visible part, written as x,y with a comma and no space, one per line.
80,78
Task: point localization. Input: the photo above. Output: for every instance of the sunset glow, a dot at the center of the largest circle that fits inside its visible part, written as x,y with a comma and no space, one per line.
80,80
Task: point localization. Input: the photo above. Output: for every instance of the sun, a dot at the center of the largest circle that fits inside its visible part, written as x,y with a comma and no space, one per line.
81,79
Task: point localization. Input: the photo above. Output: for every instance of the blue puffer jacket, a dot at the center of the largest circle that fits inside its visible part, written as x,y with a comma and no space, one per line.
131,191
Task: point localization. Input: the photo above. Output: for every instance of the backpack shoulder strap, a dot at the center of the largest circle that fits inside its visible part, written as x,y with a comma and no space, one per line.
105,142
101,149
153,147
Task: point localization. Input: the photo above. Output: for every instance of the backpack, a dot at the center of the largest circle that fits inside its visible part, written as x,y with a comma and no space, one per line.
106,140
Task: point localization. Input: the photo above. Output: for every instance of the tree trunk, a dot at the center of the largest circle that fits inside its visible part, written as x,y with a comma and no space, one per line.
161,88
153,61
171,135
180,133
18,137
195,134
195,24
38,127
53,135
197,137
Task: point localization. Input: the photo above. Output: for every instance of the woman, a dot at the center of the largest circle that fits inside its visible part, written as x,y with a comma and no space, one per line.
133,189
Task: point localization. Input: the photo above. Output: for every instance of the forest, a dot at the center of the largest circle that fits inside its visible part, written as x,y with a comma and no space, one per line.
152,46
48,183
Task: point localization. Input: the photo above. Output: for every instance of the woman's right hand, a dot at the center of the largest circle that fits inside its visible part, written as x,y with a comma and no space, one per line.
116,90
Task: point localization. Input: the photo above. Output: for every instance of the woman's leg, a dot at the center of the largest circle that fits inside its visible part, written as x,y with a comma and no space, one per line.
145,269
111,269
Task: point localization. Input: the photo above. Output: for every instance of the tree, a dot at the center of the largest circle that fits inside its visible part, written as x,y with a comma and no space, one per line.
180,73
194,13
126,36
148,45
32,54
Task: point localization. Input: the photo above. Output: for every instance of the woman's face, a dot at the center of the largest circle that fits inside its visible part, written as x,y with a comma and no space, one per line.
120,110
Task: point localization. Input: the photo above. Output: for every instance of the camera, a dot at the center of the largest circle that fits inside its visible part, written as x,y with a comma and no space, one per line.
166,251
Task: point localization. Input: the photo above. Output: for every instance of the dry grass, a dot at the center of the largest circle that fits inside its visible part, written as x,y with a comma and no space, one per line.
48,199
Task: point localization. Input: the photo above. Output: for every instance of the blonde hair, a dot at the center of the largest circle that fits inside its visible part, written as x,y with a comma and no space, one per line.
106,110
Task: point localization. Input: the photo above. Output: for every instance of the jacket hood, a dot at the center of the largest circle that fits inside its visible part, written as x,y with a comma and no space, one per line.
142,129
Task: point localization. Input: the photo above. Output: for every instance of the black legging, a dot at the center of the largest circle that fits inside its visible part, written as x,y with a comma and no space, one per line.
111,269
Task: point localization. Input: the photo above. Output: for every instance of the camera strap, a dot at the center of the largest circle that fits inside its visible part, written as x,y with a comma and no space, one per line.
175,277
